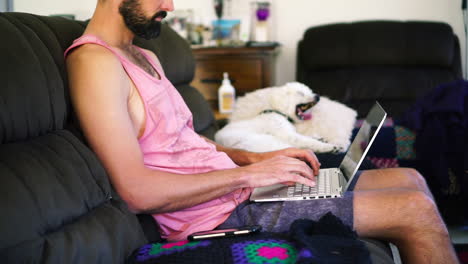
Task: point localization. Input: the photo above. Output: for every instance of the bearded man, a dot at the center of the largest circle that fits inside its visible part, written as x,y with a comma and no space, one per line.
142,131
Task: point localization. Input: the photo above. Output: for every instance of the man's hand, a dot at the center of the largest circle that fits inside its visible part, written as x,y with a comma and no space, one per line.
307,156
285,166
278,169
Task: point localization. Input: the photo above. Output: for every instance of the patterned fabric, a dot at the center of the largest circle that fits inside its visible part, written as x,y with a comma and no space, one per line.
326,241
384,162
393,147
265,251
405,143
159,249
263,248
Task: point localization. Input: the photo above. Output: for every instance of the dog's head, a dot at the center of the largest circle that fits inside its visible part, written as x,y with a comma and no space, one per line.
295,100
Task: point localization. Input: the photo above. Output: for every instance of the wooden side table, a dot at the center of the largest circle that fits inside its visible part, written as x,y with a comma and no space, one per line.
249,68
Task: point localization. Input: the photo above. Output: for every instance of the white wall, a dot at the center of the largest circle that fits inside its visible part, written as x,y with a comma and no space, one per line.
82,9
291,17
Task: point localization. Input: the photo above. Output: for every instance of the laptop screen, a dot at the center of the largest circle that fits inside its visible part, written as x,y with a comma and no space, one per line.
361,144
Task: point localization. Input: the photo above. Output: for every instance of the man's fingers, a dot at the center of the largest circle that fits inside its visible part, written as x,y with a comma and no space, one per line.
313,161
307,156
303,180
289,183
302,169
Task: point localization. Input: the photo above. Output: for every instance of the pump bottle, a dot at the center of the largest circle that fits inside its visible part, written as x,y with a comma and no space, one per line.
226,95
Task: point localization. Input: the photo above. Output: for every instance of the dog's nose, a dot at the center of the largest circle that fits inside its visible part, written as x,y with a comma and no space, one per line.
317,98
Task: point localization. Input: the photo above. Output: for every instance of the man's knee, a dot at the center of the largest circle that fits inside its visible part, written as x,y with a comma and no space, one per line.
418,201
416,176
420,213
411,177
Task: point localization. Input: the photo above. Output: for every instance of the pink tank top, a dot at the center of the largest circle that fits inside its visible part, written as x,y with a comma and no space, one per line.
169,143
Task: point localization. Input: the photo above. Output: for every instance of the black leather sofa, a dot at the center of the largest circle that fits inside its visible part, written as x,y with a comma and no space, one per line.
56,200
395,62
57,204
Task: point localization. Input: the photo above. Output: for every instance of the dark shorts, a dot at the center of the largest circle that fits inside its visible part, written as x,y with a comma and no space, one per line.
278,216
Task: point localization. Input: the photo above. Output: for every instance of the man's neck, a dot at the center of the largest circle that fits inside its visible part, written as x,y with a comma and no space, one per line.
109,26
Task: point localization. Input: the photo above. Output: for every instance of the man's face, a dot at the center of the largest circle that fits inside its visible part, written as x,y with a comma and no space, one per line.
138,22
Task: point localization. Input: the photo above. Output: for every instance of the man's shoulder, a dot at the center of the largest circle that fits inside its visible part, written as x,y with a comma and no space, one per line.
92,53
92,66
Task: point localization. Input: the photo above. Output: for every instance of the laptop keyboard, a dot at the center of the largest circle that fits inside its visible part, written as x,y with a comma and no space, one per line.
322,186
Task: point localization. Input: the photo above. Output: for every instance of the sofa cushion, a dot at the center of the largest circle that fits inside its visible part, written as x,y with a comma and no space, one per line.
58,206
395,88
378,43
32,88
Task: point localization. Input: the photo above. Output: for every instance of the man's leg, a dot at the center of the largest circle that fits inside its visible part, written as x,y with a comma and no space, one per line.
396,205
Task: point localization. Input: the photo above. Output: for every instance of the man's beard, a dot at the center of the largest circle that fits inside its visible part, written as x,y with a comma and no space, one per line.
138,23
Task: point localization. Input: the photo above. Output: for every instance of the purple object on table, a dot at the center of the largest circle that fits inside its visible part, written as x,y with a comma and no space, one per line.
262,13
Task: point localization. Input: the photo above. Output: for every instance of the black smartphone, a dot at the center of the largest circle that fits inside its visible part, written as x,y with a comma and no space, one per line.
225,232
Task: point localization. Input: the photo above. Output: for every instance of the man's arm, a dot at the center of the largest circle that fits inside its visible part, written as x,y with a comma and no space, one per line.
242,157
100,91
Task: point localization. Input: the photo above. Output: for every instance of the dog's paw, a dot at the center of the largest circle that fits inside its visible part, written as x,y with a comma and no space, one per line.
337,149
322,147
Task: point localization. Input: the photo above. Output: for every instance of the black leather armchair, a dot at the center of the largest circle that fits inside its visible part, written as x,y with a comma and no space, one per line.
394,62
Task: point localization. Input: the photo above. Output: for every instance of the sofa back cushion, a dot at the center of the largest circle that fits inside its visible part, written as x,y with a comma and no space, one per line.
57,203
394,62
32,88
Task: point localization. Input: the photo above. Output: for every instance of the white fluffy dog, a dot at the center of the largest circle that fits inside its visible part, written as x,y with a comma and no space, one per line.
288,116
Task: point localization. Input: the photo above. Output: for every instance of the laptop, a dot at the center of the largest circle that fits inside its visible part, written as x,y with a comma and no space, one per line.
331,182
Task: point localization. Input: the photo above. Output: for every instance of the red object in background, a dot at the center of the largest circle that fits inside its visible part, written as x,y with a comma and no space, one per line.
463,257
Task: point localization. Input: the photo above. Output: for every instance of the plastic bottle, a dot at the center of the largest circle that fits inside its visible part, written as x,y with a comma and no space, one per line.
226,95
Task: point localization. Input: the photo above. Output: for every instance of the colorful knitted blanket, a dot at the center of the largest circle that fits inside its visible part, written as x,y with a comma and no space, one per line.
325,241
